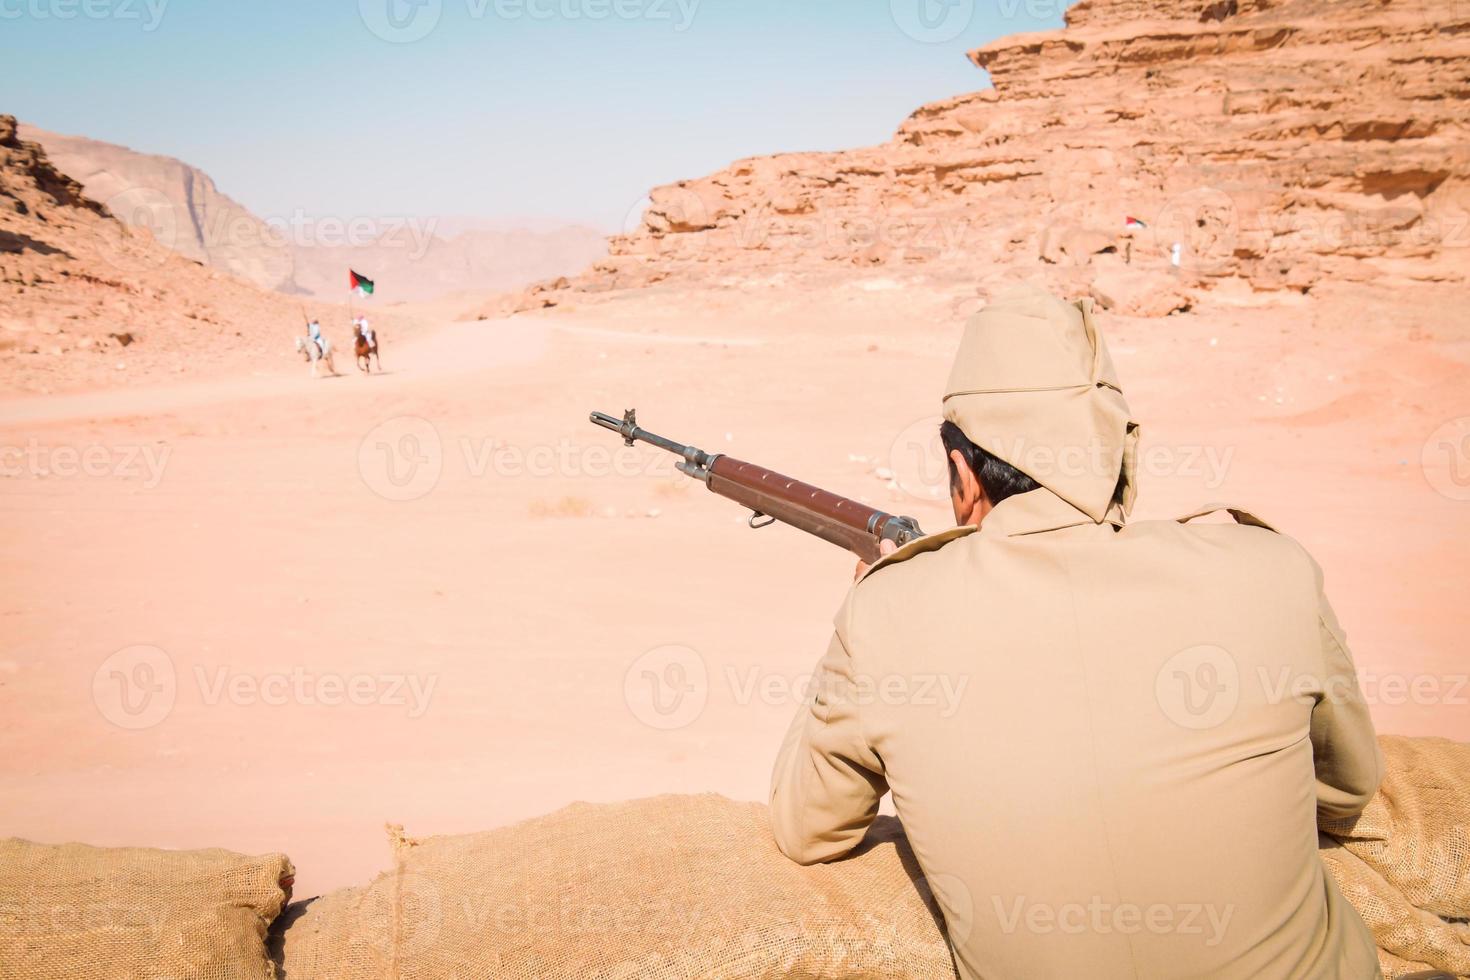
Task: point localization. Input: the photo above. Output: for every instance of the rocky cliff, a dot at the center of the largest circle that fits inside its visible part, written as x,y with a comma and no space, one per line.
179,204
1260,144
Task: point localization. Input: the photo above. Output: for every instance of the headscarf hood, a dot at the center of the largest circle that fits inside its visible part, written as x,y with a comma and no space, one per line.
1033,384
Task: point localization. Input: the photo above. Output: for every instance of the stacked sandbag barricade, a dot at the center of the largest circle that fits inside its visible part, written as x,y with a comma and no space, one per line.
73,912
1404,862
671,887
674,886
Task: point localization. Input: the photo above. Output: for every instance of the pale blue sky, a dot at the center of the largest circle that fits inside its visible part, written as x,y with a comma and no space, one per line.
562,109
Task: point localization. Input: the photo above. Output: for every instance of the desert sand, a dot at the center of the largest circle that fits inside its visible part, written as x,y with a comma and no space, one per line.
507,620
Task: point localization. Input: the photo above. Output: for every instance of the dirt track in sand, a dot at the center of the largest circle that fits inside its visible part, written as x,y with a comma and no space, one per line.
498,624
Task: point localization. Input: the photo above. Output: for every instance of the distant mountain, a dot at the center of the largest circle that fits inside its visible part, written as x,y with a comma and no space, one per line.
418,258
178,203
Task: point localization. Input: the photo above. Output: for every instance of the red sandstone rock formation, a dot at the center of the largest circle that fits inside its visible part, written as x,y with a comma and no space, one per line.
1275,143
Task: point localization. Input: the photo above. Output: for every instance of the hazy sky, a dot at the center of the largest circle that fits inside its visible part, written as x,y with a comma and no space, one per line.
564,109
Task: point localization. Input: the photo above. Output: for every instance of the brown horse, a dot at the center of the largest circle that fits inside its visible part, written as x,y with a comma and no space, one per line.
365,349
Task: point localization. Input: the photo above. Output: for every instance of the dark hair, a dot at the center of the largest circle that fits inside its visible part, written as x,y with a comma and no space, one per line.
999,478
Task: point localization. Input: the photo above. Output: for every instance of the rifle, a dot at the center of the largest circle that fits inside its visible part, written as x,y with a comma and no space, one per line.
772,497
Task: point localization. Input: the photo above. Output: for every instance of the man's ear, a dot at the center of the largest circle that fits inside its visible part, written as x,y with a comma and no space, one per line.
968,495
965,485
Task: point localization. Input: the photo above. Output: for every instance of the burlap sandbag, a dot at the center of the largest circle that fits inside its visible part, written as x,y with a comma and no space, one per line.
680,887
1409,939
670,887
1404,862
1416,831
74,912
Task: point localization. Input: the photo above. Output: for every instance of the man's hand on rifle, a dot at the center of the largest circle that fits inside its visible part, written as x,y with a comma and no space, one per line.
885,547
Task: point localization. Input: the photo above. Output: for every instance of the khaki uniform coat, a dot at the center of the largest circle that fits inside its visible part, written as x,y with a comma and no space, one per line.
1108,742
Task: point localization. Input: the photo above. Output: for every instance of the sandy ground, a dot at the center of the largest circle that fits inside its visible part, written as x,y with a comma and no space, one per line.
269,613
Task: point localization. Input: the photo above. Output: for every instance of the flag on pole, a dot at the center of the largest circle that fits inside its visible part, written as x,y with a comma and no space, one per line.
1129,222
360,284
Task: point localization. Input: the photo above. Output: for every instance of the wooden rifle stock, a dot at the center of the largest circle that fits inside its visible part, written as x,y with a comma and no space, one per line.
846,523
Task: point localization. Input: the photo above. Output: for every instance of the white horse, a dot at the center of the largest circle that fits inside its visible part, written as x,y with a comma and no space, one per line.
309,351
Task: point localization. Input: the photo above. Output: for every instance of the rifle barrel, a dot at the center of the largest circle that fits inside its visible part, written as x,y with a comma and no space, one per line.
628,428
846,523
